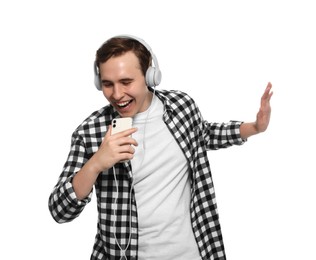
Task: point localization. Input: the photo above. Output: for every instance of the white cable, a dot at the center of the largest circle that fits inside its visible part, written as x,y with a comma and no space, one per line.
149,110
123,251
144,134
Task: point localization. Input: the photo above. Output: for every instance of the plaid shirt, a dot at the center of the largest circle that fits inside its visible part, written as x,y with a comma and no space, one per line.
195,137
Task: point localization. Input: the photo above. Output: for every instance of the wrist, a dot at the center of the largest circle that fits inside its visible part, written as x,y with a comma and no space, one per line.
248,129
94,165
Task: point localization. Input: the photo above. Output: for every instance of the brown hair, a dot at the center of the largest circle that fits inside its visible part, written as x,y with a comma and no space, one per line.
117,46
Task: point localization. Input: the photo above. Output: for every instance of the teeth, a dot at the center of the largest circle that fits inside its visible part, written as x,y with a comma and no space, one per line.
123,104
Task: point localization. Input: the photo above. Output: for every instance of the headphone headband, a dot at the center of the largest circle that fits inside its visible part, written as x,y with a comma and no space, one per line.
153,74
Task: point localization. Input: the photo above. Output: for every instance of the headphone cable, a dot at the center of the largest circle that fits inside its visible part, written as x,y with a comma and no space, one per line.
123,251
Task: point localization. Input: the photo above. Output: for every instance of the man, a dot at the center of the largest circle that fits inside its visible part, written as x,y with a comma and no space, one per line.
153,183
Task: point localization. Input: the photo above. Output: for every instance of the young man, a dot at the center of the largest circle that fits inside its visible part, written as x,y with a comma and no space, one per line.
153,183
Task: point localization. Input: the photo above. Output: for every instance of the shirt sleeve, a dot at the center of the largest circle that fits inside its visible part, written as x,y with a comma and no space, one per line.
63,203
222,135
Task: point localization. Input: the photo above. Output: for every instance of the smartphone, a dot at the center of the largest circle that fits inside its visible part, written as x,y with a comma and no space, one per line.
121,124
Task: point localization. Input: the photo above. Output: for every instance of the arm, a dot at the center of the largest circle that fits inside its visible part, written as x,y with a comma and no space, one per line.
63,204
263,116
74,188
113,149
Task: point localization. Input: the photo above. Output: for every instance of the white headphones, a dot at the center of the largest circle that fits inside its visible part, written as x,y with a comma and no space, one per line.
153,74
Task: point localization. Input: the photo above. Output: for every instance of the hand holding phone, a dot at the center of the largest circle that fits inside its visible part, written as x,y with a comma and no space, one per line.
121,124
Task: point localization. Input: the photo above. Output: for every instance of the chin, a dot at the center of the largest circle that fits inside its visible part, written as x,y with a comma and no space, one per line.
127,114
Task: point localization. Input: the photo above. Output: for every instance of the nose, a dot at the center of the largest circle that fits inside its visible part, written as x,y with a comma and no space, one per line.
117,92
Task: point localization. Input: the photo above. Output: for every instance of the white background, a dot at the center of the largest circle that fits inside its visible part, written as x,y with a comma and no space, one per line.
223,53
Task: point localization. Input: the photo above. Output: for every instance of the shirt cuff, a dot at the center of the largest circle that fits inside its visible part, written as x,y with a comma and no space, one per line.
71,195
234,132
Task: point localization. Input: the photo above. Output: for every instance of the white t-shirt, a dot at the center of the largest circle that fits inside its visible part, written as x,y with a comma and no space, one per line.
162,190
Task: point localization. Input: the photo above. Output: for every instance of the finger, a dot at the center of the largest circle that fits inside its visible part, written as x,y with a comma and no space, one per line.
127,149
268,90
126,141
125,133
267,93
126,152
269,85
109,131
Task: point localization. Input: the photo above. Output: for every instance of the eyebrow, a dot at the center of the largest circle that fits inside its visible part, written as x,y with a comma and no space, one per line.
126,79
121,80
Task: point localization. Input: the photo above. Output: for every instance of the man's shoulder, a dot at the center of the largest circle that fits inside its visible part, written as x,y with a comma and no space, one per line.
176,95
97,119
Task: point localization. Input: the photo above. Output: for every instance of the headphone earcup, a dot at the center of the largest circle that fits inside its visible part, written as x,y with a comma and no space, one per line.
153,77
97,81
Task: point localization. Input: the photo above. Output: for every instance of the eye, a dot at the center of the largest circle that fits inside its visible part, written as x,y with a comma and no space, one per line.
126,82
107,84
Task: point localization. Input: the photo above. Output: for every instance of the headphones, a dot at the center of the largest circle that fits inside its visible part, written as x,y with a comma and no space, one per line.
153,74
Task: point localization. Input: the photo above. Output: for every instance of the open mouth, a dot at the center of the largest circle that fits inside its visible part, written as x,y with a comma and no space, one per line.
124,104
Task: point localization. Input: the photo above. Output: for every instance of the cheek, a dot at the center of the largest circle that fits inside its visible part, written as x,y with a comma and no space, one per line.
141,92
106,93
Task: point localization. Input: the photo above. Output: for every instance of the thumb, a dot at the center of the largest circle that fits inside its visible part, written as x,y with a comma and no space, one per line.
109,131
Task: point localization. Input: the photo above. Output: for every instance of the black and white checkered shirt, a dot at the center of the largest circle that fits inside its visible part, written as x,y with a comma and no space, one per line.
195,137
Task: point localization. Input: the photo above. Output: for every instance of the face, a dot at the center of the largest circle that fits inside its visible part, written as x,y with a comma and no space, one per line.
123,85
